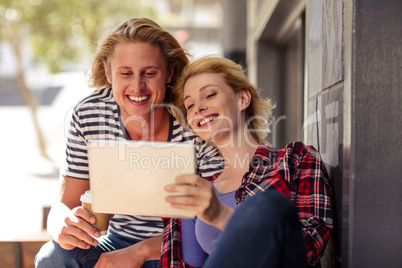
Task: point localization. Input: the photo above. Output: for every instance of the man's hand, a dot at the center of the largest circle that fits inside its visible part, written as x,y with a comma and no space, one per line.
120,258
68,223
132,257
72,228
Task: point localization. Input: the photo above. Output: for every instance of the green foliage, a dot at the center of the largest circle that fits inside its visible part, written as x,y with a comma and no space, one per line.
60,32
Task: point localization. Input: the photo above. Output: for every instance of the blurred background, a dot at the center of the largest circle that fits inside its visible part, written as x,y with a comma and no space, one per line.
332,67
45,50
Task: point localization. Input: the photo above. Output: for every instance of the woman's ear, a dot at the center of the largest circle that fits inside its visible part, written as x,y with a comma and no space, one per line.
107,73
245,99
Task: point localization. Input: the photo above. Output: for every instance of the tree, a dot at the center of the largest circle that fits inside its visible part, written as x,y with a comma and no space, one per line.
58,32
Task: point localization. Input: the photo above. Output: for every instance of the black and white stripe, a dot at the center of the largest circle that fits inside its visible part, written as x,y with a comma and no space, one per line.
97,118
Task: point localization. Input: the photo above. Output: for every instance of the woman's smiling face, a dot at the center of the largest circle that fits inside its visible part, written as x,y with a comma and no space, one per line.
138,76
213,108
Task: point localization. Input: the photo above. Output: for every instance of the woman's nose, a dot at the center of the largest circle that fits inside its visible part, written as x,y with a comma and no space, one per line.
200,107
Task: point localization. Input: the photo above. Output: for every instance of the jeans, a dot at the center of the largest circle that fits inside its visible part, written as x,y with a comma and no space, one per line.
51,255
264,231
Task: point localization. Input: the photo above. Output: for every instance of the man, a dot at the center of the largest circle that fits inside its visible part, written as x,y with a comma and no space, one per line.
134,68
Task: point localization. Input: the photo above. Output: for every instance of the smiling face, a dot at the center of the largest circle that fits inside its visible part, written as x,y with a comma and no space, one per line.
138,77
213,108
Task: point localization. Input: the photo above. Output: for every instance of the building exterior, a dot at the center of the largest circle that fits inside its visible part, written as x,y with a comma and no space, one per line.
334,68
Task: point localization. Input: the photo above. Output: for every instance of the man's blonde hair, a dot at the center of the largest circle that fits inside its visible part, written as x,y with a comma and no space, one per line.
138,30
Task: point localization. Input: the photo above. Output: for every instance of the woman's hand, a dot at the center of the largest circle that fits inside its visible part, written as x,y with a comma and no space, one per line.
197,195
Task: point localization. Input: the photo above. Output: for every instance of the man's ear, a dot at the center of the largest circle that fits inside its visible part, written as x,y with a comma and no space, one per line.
169,78
245,99
109,79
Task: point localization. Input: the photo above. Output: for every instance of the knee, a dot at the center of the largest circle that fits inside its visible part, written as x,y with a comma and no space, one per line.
50,255
269,207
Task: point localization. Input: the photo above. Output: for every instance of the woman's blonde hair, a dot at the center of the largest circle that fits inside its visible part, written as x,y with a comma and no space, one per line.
138,30
258,113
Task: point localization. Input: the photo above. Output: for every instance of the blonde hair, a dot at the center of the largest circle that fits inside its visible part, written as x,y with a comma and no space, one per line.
138,30
258,113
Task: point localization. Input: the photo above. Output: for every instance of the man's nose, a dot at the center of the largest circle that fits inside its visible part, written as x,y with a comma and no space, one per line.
137,83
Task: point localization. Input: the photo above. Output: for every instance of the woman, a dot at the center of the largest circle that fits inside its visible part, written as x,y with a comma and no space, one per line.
215,100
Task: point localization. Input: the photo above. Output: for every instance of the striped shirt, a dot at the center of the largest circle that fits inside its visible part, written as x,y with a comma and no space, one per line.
97,117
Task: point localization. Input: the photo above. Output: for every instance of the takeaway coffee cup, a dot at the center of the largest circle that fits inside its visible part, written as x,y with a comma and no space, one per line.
102,219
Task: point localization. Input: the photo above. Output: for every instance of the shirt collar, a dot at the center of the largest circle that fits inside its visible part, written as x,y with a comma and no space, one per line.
263,155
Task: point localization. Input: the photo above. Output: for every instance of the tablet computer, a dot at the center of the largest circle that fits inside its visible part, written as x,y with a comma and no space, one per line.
128,177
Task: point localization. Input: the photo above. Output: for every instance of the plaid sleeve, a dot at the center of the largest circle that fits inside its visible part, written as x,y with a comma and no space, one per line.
297,171
171,246
313,200
171,254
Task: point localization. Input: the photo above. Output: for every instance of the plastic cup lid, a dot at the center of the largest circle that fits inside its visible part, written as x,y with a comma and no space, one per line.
87,197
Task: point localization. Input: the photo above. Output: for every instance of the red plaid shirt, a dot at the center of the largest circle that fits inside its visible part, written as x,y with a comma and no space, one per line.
297,171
